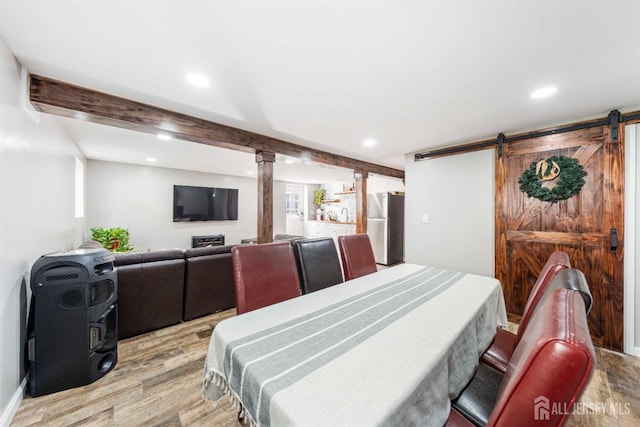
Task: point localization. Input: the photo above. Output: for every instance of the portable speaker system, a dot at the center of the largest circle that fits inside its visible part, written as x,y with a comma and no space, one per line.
73,322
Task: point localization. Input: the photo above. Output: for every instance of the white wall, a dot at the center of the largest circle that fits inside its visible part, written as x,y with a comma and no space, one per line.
37,216
635,280
140,198
632,241
377,184
279,208
457,194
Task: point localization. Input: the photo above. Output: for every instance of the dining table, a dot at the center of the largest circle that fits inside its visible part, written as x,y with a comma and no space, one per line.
391,348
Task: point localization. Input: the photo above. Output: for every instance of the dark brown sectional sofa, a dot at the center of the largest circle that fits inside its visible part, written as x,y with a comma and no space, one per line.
208,285
162,288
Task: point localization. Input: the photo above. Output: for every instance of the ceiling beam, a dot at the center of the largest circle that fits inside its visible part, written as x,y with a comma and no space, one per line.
64,99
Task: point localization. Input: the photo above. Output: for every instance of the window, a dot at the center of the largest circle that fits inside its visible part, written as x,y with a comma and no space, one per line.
294,200
79,188
292,203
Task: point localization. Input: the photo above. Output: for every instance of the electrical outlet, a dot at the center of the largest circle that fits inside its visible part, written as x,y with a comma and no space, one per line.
425,219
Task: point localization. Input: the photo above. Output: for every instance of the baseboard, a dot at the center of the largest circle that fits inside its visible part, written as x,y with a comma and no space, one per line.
12,407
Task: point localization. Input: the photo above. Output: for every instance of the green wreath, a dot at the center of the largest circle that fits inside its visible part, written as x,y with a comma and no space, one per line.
566,170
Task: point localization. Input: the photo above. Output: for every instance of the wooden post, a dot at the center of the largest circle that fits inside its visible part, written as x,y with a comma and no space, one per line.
265,160
361,201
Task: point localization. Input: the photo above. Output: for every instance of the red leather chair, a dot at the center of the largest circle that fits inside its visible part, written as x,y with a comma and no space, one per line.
357,256
501,349
548,371
264,274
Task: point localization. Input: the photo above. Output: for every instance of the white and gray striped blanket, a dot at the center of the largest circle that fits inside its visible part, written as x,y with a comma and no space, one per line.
258,362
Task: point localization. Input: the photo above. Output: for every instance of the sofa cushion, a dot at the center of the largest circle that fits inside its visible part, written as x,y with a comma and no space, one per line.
208,250
209,281
128,258
150,291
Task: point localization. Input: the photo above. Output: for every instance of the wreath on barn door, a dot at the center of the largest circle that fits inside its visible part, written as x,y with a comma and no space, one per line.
568,172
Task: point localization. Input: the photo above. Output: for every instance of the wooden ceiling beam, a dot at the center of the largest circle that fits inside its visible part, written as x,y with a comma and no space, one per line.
64,99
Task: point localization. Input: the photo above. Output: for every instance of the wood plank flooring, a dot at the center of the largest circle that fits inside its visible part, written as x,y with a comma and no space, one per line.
157,382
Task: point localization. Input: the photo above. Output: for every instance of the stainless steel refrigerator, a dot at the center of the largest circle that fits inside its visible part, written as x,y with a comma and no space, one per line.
385,226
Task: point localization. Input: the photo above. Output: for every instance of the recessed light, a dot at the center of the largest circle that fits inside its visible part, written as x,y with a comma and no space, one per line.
544,92
249,172
151,159
289,161
197,80
164,136
369,142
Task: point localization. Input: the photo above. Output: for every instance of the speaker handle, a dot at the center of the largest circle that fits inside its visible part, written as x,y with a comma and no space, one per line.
96,336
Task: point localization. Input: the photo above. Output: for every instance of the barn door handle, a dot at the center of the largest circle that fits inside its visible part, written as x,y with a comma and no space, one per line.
614,240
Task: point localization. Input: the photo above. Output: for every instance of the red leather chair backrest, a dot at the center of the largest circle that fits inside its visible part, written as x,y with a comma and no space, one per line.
570,278
357,256
550,366
264,274
557,261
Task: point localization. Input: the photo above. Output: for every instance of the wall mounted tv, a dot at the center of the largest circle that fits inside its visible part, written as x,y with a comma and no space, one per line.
204,203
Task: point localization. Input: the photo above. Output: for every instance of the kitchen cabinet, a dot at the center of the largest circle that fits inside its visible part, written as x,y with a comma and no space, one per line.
331,229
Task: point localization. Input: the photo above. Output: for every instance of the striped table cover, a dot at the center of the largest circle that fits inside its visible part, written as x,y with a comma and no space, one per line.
390,348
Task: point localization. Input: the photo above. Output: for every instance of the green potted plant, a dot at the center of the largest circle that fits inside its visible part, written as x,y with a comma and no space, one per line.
318,196
113,239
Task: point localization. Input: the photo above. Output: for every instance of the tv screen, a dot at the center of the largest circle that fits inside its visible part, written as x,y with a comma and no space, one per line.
204,203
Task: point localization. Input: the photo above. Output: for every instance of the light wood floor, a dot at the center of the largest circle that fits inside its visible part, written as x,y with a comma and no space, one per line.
156,382
158,378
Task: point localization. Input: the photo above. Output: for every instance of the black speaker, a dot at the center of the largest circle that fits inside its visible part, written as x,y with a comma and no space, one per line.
73,322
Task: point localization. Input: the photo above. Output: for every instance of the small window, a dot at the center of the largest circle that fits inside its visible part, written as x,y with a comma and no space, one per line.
292,203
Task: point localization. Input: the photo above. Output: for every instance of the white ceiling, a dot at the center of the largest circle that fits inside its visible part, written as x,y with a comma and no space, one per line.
412,75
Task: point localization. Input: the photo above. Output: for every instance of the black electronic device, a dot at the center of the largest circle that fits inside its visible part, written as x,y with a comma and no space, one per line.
73,322
204,203
210,240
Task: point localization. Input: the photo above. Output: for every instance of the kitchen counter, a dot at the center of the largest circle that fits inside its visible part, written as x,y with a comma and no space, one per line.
331,229
333,222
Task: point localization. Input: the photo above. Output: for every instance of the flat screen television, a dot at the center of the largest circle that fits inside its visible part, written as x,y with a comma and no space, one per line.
204,203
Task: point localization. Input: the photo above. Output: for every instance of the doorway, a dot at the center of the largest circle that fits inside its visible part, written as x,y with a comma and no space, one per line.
295,197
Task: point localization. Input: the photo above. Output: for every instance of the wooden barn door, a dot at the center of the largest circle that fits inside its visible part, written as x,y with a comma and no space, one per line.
529,230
